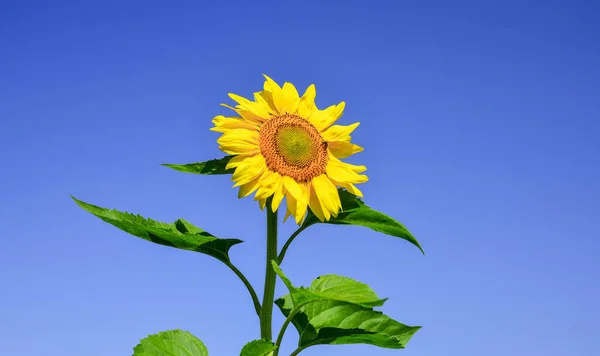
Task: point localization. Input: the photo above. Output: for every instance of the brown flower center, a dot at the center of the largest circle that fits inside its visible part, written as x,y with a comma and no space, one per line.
293,147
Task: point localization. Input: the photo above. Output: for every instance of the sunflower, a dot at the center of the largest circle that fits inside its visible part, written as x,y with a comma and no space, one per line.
284,146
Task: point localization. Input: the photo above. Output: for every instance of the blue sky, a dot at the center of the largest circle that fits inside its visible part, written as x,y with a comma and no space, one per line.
480,123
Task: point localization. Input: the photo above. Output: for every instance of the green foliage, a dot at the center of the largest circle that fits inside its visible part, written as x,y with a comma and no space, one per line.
355,212
179,234
338,310
171,343
258,348
332,310
214,166
331,287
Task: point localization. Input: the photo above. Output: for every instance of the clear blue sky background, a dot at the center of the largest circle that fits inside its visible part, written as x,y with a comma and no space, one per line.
480,123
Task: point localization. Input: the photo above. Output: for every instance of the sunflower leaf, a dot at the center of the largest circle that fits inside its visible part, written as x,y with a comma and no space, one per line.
258,348
356,212
179,234
337,310
170,343
332,287
213,166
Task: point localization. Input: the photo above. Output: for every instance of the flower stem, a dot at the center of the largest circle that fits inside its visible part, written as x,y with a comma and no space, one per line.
266,312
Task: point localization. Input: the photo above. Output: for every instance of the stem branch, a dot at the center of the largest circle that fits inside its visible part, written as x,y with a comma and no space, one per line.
288,242
298,350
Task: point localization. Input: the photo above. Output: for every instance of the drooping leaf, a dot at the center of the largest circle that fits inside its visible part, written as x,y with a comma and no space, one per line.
179,234
355,212
171,343
258,348
213,166
336,310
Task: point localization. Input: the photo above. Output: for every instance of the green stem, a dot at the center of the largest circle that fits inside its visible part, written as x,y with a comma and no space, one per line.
266,312
248,286
282,331
288,243
298,350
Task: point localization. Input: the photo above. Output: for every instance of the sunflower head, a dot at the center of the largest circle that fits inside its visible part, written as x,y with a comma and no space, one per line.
284,146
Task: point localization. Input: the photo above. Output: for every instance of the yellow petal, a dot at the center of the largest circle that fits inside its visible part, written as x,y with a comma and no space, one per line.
268,184
336,111
327,194
307,102
302,204
340,173
238,148
239,141
248,188
291,206
262,203
278,196
247,115
248,170
315,205
343,149
292,187
322,119
297,197
258,109
276,93
349,187
236,161
357,169
266,99
242,135
224,124
290,99
339,132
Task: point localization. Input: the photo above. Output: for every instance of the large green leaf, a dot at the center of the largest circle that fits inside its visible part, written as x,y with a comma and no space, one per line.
171,343
258,348
355,212
336,310
331,287
214,166
179,234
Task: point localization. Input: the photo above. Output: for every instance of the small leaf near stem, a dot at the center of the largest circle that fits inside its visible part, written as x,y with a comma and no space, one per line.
258,348
170,342
266,312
